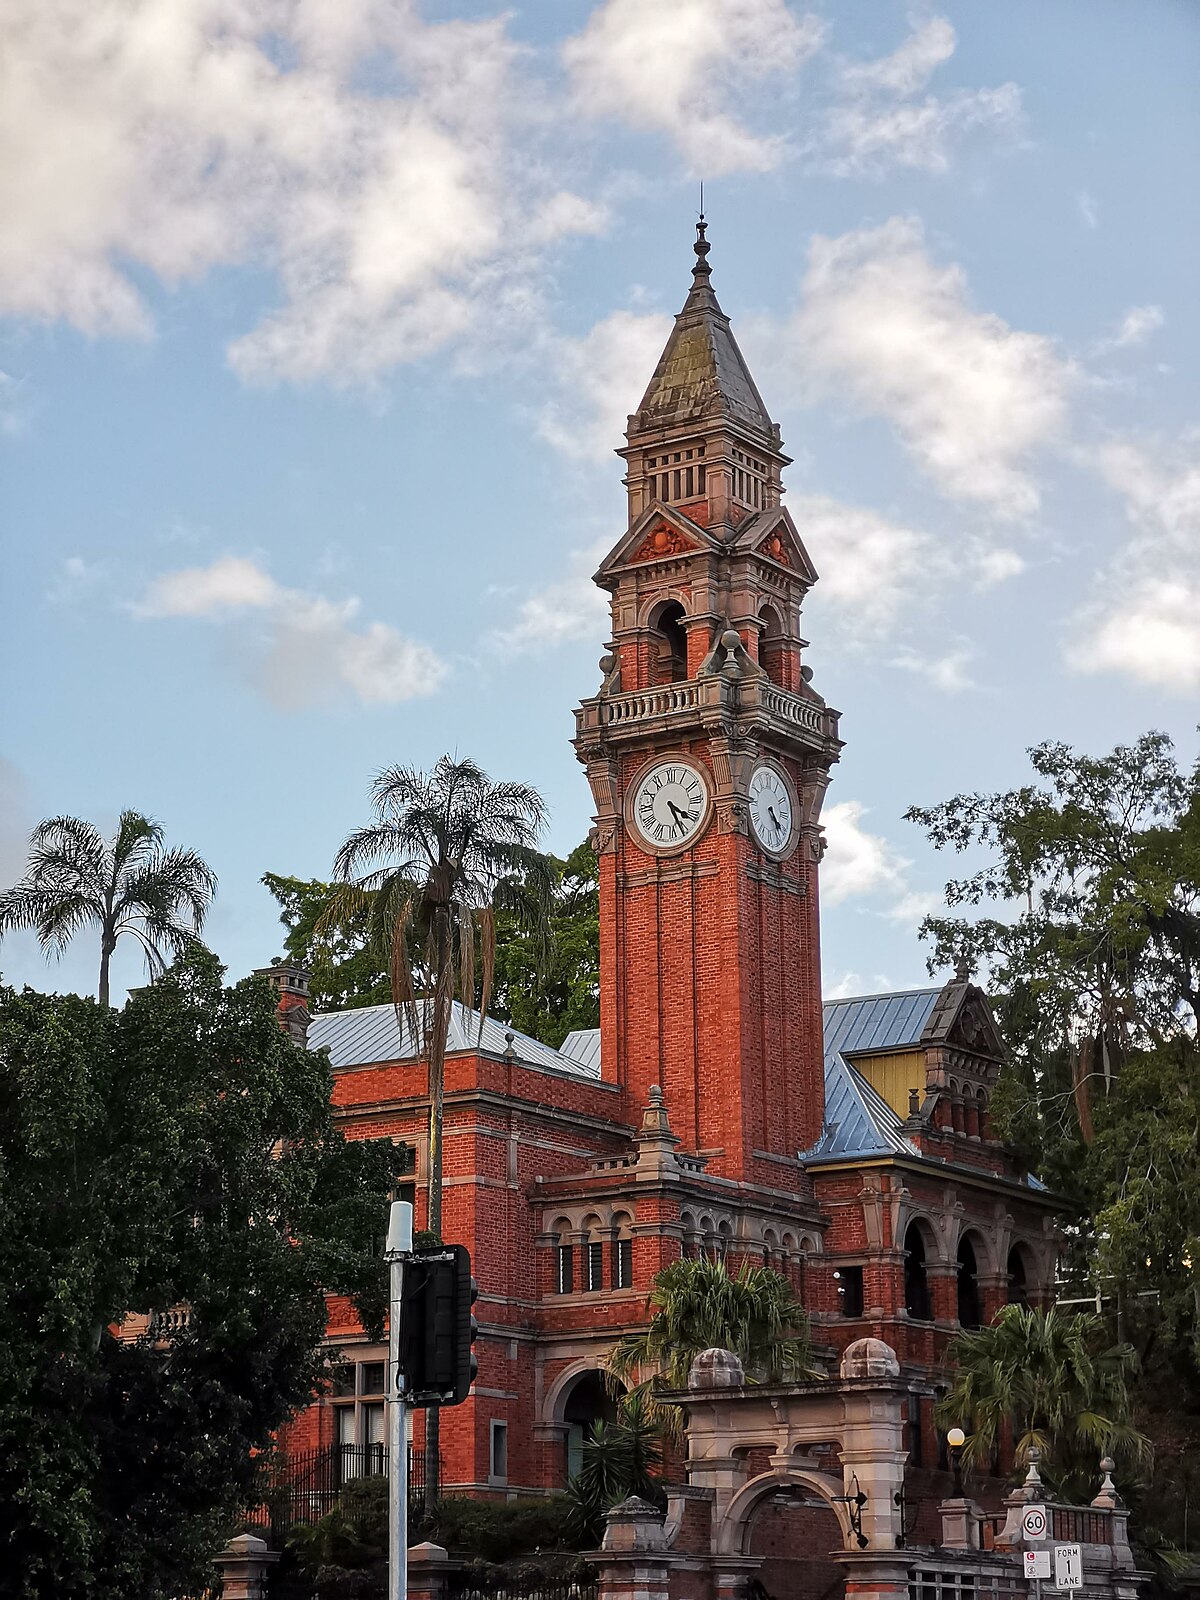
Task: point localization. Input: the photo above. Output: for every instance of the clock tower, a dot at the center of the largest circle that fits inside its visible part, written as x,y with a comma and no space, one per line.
708,754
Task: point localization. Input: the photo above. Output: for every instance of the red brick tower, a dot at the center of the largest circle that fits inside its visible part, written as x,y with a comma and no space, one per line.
708,754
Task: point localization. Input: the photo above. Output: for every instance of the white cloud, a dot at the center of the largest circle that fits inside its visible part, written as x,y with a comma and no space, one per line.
878,122
14,405
598,379
75,578
231,583
871,569
310,648
996,564
1087,209
685,68
947,673
387,170
566,609
1136,326
861,864
1143,621
887,328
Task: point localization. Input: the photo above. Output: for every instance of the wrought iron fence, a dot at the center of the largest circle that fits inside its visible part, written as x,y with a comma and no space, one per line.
517,1585
307,1485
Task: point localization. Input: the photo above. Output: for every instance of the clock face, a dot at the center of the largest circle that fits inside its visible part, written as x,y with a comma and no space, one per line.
669,805
771,809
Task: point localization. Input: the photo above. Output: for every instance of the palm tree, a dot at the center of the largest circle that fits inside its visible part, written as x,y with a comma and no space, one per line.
699,1304
447,851
129,884
1059,1383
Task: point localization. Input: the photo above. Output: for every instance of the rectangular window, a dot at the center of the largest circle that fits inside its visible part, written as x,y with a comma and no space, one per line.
703,471
372,1378
566,1269
690,481
622,1273
344,1380
850,1291
595,1266
498,1459
916,1444
678,476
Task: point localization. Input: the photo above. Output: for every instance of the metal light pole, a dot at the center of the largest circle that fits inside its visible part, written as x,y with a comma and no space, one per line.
399,1248
956,1438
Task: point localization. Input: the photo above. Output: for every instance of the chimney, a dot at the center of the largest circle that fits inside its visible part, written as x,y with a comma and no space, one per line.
290,983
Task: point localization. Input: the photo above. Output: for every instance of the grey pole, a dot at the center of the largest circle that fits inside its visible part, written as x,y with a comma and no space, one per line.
399,1248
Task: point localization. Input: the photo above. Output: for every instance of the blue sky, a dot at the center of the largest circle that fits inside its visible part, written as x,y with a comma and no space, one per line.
320,324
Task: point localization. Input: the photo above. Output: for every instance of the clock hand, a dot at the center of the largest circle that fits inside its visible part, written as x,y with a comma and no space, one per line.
774,818
680,816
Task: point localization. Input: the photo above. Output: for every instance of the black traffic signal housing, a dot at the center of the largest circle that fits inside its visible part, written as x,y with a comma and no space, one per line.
437,1326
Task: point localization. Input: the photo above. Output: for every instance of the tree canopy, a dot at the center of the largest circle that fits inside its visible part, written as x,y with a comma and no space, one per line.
542,992
1084,913
178,1156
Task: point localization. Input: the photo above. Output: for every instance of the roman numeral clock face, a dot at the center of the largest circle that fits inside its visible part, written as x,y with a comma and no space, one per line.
669,805
771,809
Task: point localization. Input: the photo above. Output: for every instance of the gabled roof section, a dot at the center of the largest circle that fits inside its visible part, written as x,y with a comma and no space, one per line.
631,546
764,530
583,1046
371,1034
963,1017
878,1021
701,374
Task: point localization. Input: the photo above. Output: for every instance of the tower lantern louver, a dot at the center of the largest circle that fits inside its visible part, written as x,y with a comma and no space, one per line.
708,753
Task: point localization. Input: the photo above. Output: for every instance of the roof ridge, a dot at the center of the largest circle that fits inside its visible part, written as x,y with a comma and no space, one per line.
881,994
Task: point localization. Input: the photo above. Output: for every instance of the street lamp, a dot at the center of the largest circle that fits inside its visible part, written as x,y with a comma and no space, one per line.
956,1438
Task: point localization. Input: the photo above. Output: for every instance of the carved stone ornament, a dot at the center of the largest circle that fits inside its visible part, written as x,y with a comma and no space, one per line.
662,540
603,837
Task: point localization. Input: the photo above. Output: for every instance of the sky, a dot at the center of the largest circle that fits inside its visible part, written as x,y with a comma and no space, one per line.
319,325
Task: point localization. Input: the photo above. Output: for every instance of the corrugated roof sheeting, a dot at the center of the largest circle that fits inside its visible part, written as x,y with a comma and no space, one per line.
372,1034
877,1021
583,1046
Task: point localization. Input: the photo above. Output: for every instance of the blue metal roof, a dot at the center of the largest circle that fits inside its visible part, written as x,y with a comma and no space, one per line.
877,1021
372,1034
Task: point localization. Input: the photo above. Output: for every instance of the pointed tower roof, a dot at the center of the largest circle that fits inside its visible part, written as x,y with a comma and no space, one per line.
701,374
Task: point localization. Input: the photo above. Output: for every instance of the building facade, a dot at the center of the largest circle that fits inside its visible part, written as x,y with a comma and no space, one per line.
719,1107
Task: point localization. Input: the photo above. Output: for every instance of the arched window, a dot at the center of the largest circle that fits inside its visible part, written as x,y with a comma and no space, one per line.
690,1246
1018,1277
670,645
564,1258
622,1251
970,1303
593,1256
724,1239
916,1282
770,645
589,1401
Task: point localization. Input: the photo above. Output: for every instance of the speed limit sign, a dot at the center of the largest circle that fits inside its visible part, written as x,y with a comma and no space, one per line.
1034,1522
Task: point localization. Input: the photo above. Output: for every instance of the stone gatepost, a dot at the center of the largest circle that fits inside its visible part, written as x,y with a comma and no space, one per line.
429,1566
244,1563
633,1559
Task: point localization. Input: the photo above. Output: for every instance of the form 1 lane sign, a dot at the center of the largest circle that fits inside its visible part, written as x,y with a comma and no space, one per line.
1068,1566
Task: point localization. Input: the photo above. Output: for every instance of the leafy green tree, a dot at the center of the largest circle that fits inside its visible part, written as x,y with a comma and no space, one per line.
550,993
346,970
1057,1381
128,885
697,1305
1084,912
446,853
176,1157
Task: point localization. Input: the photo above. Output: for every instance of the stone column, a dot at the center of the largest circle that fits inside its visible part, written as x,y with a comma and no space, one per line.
633,1560
244,1563
961,1519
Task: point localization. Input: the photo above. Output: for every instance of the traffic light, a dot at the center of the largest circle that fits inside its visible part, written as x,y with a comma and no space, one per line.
437,1326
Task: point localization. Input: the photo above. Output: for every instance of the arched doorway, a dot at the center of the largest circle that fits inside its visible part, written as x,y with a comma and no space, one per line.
1018,1277
795,1532
587,1402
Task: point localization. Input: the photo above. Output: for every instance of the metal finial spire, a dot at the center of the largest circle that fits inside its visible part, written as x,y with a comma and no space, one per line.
701,246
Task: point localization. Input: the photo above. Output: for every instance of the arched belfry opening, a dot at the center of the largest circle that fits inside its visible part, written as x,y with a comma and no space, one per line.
669,663
770,644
